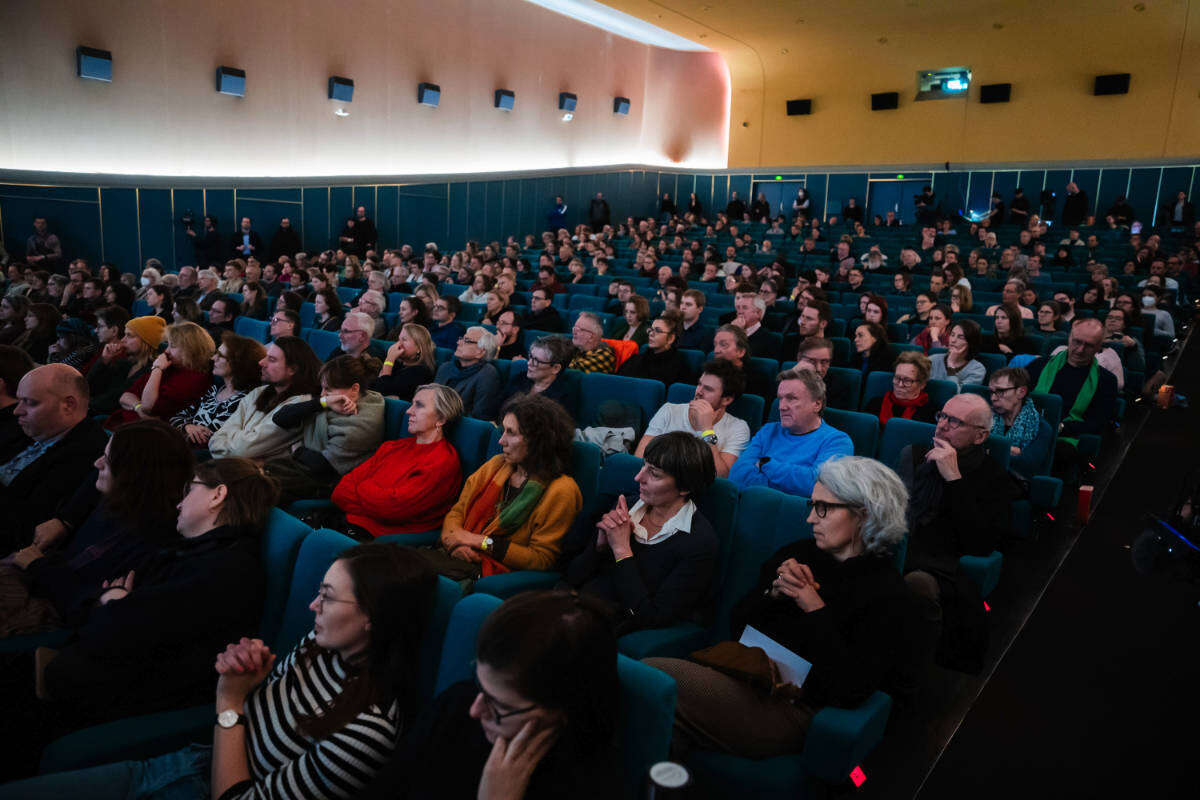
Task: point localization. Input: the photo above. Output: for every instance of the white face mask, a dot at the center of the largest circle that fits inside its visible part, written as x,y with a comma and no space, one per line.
1148,302
145,281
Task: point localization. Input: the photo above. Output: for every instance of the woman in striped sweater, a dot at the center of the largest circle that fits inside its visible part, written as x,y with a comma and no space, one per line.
320,723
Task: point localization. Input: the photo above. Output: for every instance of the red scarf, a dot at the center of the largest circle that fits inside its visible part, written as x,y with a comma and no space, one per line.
908,407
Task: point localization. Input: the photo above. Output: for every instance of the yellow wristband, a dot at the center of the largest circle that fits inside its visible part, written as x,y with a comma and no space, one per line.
137,406
324,403
389,363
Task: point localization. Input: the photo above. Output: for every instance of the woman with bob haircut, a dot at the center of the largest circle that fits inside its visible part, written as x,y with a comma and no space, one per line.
835,599
410,362
409,484
178,377
515,510
318,723
907,398
235,372
654,563
538,721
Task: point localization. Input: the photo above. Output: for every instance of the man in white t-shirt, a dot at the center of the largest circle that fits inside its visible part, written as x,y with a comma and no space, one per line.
705,416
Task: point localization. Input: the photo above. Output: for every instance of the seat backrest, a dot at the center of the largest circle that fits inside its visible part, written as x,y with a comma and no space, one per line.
899,432
470,438
448,594
992,361
586,459
256,329
308,314
395,420
940,391
863,429
849,382
878,384
596,387
647,719
322,342
458,644
318,550
280,546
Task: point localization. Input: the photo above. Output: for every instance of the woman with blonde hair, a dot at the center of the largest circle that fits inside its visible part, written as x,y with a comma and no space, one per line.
409,363
179,376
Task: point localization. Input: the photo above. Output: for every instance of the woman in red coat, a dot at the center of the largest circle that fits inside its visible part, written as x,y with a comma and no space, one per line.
179,376
410,483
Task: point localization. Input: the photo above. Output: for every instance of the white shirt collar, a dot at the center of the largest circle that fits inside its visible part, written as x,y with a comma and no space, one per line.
680,522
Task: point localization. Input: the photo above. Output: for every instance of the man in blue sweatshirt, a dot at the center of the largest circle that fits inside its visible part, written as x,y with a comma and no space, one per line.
787,455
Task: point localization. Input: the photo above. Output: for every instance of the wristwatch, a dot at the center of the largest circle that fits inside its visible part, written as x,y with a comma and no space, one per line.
487,544
230,718
709,436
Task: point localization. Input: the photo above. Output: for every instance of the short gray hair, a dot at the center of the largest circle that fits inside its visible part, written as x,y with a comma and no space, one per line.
486,341
363,321
878,490
594,319
208,272
377,296
811,380
447,403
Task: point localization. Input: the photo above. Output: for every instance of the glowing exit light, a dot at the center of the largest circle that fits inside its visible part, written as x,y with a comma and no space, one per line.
778,177
899,176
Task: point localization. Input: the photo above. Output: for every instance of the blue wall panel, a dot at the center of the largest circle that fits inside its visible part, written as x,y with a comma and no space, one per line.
457,209
119,222
155,225
266,216
219,202
510,216
73,214
1143,184
185,200
1113,182
1175,180
1004,183
315,233
842,186
387,215
1056,181
341,205
495,211
1088,181
364,196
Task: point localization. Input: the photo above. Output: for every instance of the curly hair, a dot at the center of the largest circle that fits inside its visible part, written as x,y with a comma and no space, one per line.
548,432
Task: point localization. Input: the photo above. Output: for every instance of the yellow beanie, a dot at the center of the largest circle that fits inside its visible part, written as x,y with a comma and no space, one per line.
149,329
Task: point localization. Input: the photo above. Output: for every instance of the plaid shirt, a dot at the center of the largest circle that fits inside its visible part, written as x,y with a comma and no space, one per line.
598,359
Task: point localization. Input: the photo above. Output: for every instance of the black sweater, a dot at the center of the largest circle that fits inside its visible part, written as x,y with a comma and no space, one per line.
662,584
856,643
154,648
443,754
403,381
669,366
1067,384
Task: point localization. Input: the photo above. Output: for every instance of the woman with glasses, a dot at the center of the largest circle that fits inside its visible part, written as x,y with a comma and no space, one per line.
409,363
925,302
835,599
907,398
318,723
235,372
1019,421
543,374
958,363
538,721
103,529
661,360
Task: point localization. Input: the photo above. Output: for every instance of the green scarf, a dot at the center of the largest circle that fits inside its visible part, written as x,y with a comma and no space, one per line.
513,515
1082,400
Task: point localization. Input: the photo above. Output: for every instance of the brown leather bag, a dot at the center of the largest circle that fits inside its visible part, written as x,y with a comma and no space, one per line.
747,665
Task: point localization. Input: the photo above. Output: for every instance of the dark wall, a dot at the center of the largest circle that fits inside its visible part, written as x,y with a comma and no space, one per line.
129,225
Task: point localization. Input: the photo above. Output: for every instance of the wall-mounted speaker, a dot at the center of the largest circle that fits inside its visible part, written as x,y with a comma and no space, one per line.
93,64
231,81
429,94
505,100
567,101
621,105
882,101
798,108
341,89
1112,84
995,92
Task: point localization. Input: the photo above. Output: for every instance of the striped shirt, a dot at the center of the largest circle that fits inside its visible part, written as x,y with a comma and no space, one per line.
286,764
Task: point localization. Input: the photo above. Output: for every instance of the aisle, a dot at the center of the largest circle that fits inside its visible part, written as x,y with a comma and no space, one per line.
1098,695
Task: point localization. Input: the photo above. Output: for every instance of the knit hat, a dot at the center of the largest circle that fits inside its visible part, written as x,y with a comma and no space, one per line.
73,326
149,329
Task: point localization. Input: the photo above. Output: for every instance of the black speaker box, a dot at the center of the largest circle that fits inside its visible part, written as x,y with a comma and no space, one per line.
798,108
882,101
1112,84
995,92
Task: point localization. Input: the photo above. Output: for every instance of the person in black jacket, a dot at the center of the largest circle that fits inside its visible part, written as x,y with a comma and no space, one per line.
365,234
207,244
52,410
735,209
543,372
598,213
285,242
246,242
835,600
1075,207
654,562
960,504
660,360
538,721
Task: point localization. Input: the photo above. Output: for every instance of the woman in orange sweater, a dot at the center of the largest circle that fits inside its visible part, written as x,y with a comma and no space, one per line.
409,484
515,510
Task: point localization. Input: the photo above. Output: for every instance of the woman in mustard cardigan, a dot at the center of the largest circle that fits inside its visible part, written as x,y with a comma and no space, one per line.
515,510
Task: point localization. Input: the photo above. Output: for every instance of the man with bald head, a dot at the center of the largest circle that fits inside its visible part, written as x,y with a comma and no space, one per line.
52,410
960,503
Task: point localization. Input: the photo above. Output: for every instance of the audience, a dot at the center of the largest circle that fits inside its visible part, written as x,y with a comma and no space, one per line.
592,353
1018,420
871,352
834,599
178,377
235,371
788,454
730,343
409,484
124,362
706,417
660,360
633,325
354,338
958,363
289,374
542,315
409,363
1008,337
447,330
549,356
515,510
907,398
471,374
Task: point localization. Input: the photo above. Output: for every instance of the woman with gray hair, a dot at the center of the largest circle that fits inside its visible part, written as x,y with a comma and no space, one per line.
470,374
835,599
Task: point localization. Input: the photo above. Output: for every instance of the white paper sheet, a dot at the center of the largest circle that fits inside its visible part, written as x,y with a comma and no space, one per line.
792,668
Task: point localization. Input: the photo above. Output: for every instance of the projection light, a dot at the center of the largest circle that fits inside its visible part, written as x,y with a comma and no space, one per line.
621,105
341,89
567,101
341,112
429,94
943,84
93,64
568,116
231,81
505,100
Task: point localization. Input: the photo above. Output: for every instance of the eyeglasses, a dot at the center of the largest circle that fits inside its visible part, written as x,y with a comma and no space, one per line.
1000,391
821,507
534,361
497,715
815,362
462,339
901,380
324,597
659,331
953,423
